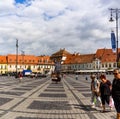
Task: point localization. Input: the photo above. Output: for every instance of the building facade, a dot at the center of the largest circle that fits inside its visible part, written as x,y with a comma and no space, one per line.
38,64
102,60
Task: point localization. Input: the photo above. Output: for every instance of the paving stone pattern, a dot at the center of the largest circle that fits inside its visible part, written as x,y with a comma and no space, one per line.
52,95
50,105
4,100
44,99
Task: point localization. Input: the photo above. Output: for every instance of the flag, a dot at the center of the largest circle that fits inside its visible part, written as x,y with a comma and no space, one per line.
113,41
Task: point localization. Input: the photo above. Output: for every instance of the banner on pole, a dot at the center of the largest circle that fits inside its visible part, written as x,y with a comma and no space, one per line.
113,41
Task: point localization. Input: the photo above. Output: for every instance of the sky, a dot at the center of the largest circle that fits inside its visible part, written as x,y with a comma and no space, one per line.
43,27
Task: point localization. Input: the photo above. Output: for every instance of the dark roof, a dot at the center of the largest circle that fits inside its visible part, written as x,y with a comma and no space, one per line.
60,53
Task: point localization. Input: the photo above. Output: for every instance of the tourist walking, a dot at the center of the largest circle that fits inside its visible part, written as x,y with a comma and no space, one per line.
20,76
116,91
95,86
105,90
76,76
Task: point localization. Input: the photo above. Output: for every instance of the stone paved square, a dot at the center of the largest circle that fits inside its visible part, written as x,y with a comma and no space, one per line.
43,99
11,93
52,95
22,89
28,118
50,105
4,100
87,94
55,90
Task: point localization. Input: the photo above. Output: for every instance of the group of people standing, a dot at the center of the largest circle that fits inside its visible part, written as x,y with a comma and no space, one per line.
103,91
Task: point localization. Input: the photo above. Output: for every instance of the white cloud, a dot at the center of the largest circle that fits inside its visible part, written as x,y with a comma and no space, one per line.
45,26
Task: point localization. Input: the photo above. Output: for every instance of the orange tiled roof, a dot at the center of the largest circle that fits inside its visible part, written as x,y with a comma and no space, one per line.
76,58
87,58
106,55
44,60
3,60
27,59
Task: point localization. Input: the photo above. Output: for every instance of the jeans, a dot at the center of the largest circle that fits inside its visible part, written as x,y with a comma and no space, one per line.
95,99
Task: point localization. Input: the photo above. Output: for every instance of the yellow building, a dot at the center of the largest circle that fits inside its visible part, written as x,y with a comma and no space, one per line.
3,65
37,64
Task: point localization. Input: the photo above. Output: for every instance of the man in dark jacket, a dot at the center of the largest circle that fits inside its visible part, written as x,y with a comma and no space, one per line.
116,91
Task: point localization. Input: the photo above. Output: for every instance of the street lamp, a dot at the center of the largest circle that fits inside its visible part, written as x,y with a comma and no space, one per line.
23,53
16,58
116,12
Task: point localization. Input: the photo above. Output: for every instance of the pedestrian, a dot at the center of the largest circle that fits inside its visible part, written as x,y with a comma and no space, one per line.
86,78
36,75
105,90
20,76
116,91
76,76
95,90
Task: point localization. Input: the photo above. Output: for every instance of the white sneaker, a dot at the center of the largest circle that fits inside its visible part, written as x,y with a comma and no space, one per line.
93,106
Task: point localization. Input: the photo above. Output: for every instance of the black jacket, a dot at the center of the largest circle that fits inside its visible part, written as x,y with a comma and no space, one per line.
116,88
105,88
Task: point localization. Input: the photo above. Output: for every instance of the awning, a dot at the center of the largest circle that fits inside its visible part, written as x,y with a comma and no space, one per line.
90,71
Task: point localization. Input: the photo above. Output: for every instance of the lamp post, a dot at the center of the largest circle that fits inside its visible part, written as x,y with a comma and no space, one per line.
16,57
23,53
116,12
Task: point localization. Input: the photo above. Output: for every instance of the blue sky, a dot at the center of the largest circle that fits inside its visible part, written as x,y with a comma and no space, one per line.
46,26
20,1
23,2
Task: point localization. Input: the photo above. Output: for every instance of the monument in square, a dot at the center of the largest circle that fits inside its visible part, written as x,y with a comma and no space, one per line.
58,58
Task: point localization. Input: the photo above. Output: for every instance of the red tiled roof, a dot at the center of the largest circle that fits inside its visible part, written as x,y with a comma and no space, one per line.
44,60
106,55
76,58
3,60
27,59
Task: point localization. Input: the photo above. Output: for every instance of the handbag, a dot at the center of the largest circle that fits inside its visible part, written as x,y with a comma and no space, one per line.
111,102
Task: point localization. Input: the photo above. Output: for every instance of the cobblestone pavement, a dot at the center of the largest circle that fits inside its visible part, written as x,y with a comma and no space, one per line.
44,99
